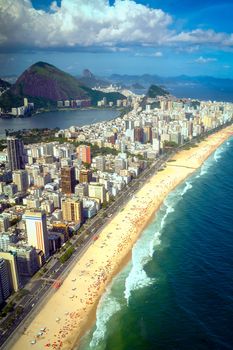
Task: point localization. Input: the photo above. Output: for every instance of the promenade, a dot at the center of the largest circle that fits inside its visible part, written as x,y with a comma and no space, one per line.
71,310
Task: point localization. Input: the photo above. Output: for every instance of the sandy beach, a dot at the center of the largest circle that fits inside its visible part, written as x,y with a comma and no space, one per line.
71,310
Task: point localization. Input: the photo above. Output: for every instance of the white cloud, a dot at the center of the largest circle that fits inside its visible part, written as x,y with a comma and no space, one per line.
54,7
81,23
199,36
94,23
203,60
157,54
147,54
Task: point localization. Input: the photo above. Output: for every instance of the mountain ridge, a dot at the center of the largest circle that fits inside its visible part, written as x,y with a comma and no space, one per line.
44,84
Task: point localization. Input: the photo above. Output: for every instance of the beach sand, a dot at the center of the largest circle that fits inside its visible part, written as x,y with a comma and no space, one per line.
71,310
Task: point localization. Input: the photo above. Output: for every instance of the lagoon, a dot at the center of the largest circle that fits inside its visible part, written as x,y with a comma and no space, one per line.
60,119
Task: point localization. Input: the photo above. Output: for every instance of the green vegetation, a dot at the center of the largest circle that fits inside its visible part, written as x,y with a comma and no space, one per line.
44,84
21,293
36,135
8,323
170,144
9,100
105,205
155,91
4,84
96,150
67,254
2,144
7,309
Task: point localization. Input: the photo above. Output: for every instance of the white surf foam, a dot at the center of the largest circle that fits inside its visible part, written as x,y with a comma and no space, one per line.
218,154
137,277
188,186
144,249
107,307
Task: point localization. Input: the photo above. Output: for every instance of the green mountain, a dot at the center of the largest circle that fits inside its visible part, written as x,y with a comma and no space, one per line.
4,84
44,84
155,91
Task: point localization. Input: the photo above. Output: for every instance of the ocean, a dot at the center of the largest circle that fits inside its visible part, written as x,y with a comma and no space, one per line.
177,290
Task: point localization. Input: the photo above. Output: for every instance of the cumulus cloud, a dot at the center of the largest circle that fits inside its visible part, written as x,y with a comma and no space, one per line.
200,36
81,23
203,60
94,23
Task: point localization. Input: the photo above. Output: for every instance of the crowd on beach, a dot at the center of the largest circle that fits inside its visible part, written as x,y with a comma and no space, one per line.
80,292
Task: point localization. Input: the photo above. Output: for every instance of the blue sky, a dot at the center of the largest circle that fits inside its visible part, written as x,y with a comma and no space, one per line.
164,37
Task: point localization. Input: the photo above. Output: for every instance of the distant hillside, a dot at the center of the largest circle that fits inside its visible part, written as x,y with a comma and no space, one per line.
155,91
90,80
46,81
4,84
44,84
197,87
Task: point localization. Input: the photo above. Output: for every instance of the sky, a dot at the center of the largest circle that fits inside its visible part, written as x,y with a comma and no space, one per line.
162,37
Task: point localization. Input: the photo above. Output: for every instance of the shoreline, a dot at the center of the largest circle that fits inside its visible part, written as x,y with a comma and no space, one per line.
38,112
99,264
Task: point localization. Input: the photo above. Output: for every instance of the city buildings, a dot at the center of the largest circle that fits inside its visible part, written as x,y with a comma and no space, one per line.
11,262
15,153
68,180
85,175
20,178
63,186
97,190
84,153
5,289
72,210
36,228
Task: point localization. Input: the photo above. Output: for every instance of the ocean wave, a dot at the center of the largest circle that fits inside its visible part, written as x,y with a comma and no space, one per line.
145,247
108,306
137,277
188,186
205,167
218,153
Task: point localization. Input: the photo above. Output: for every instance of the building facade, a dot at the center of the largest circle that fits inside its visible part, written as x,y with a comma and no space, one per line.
36,227
68,180
15,153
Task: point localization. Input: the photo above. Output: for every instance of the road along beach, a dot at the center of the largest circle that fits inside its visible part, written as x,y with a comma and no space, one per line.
71,310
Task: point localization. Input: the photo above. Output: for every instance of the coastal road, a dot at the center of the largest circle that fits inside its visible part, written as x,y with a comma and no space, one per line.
42,289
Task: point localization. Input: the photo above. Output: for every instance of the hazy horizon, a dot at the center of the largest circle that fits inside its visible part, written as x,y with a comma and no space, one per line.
121,37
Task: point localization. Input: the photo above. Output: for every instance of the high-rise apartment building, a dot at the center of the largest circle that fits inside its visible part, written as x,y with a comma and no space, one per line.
120,164
5,289
4,223
68,180
36,228
138,134
84,153
27,259
97,190
100,163
72,210
85,176
11,260
20,178
15,153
